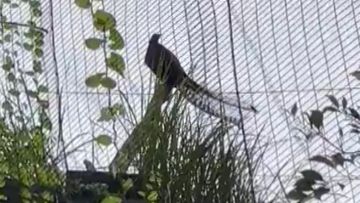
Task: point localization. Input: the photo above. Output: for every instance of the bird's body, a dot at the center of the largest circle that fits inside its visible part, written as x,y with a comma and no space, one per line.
165,65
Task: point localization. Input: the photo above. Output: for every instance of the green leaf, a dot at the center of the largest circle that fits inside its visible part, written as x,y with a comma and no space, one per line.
93,43
354,113
116,63
141,193
342,186
316,118
149,186
39,42
7,38
44,103
94,80
7,106
46,122
37,67
11,77
118,109
29,73
322,159
35,4
319,192
7,67
152,178
108,82
105,114
294,109
126,185
296,195
83,3
344,102
18,43
103,140
338,159
103,21
7,26
333,100
38,52
153,196
32,94
329,109
8,64
14,92
27,46
38,34
14,5
111,199
117,42
43,88
356,74
36,12
108,113
341,132
8,60
2,182
312,175
304,184
29,34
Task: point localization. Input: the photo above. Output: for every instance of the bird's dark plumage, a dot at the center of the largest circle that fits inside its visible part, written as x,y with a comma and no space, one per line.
165,65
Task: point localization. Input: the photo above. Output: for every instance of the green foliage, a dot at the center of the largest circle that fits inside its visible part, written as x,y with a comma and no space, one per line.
316,118
93,81
22,148
116,63
93,43
108,82
103,21
312,184
110,113
83,3
356,74
183,162
25,127
111,199
103,140
117,42
8,64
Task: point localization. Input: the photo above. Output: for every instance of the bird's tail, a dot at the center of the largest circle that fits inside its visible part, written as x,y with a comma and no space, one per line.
198,89
205,106
209,103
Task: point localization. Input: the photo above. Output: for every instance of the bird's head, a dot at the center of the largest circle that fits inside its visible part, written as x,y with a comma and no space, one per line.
155,38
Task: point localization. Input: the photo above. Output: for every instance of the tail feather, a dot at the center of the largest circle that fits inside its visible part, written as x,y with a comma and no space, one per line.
195,87
205,105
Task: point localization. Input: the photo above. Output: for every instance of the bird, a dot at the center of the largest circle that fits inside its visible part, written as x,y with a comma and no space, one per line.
167,67
164,64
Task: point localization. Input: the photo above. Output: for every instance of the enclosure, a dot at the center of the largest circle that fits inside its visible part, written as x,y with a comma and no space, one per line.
79,101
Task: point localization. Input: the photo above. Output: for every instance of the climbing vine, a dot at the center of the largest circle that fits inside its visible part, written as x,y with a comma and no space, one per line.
25,123
110,43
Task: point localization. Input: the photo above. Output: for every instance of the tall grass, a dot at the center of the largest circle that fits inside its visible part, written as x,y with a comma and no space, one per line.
182,159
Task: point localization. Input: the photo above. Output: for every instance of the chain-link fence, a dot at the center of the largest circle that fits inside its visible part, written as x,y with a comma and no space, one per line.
273,53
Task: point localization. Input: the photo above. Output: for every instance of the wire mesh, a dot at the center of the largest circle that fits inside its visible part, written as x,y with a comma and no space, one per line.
284,52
